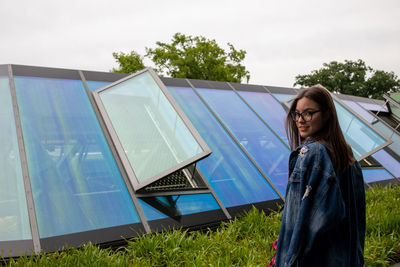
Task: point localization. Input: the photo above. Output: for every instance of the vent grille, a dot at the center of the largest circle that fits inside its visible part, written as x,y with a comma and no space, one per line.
175,181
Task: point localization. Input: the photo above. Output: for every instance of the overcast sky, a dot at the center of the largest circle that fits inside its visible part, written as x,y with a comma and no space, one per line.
282,38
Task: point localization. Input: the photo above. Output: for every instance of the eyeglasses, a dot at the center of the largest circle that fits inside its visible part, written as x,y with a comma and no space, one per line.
305,115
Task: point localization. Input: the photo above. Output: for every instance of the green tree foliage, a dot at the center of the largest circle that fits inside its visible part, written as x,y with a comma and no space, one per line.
352,78
198,58
189,57
128,63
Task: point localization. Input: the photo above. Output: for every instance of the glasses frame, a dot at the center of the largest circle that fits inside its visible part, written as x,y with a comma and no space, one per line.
294,114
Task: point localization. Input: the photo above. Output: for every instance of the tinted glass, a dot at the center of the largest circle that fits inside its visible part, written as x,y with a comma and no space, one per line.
283,97
14,221
169,206
95,85
388,162
269,109
75,181
360,110
267,150
374,107
361,137
230,173
389,132
374,175
151,132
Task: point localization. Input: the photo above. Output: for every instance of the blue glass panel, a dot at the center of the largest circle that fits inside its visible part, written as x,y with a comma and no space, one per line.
269,109
390,133
94,85
360,111
283,97
374,175
267,150
361,137
374,107
14,221
169,206
388,162
75,181
230,173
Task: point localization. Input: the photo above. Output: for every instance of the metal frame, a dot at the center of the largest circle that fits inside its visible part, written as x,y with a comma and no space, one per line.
259,116
388,141
24,166
119,148
236,140
115,155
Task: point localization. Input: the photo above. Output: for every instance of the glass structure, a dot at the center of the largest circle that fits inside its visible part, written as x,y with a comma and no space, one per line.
151,134
100,157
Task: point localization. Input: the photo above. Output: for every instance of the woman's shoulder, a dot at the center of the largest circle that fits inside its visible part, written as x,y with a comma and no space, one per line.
313,147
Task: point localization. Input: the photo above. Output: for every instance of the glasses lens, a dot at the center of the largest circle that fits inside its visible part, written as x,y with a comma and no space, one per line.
307,116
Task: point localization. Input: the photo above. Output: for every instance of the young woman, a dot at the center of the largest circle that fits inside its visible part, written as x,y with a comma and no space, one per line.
323,221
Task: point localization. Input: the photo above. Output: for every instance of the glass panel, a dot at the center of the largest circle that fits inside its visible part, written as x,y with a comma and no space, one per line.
270,153
14,220
386,130
359,135
360,111
395,96
230,173
156,208
269,109
374,175
395,110
283,97
95,85
75,181
151,132
387,161
374,107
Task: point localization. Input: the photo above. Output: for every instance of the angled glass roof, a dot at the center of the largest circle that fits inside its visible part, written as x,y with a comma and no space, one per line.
118,155
152,136
14,220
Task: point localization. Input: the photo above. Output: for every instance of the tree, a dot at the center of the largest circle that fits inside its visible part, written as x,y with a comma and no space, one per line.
352,78
128,63
190,57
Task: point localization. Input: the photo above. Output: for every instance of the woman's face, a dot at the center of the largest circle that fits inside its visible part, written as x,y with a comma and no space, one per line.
307,107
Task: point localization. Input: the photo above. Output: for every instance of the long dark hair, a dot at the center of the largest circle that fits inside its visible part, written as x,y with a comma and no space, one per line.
329,135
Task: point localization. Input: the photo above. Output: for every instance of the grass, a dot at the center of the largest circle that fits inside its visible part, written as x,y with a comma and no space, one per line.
245,241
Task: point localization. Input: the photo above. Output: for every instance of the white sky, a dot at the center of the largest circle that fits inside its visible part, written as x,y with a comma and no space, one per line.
282,38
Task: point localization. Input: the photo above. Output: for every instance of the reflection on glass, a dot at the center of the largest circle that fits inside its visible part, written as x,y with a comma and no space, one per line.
267,150
374,175
230,173
76,184
282,97
360,111
151,132
374,107
14,221
155,208
362,138
269,109
390,133
95,85
388,162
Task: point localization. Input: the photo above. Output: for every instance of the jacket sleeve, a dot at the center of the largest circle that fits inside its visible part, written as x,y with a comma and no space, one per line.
321,206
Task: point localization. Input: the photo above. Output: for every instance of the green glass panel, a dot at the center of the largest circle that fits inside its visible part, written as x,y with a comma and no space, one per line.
14,221
152,134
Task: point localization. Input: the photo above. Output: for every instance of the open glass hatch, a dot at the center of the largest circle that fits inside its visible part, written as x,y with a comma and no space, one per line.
156,142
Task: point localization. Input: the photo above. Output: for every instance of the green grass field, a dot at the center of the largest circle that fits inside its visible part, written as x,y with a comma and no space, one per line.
245,241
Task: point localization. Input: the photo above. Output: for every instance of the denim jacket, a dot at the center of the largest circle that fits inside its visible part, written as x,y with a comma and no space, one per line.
323,220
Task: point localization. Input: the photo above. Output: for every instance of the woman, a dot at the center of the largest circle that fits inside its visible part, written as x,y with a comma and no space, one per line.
323,221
